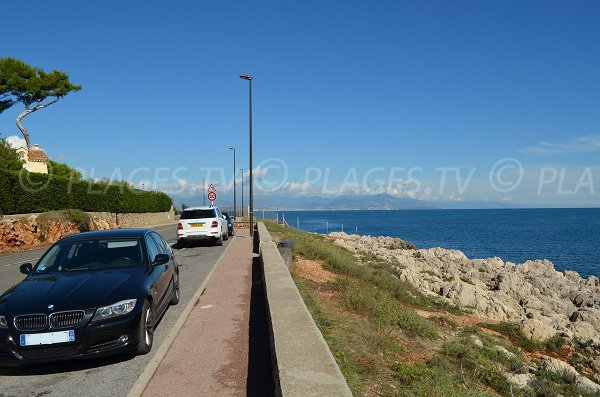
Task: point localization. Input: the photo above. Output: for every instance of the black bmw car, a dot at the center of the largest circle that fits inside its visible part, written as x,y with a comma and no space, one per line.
91,294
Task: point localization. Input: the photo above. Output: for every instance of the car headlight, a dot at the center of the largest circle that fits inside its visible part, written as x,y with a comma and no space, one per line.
3,323
114,310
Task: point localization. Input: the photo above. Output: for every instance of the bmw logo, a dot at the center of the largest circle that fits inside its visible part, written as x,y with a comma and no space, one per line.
50,307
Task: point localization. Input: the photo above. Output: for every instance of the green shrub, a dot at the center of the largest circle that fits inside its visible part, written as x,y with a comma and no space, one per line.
382,308
415,325
477,365
25,192
514,363
356,296
553,344
459,350
434,378
515,334
78,217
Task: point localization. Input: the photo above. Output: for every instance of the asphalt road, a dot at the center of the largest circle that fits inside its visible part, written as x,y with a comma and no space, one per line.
109,376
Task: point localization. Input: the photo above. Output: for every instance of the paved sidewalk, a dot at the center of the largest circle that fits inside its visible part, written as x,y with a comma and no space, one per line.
209,356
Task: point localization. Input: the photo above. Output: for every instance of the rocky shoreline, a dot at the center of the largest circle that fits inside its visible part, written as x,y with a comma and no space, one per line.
545,302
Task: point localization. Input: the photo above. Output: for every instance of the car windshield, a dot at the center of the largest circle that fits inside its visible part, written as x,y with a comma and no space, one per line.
91,255
197,214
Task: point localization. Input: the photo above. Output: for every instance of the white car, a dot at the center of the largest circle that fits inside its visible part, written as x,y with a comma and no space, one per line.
202,223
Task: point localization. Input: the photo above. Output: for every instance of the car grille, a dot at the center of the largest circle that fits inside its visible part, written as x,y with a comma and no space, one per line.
66,319
50,352
31,322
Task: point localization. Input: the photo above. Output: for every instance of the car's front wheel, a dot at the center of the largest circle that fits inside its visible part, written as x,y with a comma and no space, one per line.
175,296
146,329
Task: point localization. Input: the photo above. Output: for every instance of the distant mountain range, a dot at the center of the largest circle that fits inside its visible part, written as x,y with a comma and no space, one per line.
339,203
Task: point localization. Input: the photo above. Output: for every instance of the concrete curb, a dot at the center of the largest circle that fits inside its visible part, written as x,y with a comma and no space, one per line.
140,384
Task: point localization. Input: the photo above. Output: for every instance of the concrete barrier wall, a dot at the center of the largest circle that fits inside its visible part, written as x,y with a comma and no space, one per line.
302,362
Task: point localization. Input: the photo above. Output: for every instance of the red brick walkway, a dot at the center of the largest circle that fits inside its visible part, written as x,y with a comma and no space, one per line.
209,356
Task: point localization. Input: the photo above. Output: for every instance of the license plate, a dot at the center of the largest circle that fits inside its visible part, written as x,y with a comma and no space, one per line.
196,224
47,338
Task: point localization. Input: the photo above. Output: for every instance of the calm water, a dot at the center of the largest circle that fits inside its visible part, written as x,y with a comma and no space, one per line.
568,237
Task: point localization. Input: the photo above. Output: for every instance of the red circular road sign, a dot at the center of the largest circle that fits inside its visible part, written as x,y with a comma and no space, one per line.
212,196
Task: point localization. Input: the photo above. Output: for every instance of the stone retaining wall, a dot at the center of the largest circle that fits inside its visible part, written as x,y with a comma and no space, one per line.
301,360
137,220
125,220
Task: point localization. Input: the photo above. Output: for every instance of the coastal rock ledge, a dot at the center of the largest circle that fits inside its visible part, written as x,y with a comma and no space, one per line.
544,301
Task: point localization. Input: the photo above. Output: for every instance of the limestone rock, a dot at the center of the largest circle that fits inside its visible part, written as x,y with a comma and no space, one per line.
476,341
533,294
503,350
561,367
520,380
552,364
588,385
537,330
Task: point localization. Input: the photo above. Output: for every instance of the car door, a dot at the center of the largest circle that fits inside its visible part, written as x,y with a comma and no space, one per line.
171,269
163,245
160,273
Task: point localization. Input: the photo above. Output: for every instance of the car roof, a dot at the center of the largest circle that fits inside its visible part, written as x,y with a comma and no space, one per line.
203,207
112,233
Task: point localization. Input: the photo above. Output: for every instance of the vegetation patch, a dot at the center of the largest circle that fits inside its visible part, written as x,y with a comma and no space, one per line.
382,307
515,334
434,378
77,217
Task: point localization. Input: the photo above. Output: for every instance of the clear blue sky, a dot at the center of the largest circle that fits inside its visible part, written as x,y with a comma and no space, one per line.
338,85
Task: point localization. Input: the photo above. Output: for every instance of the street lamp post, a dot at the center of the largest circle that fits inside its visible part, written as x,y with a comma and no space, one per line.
242,171
234,202
251,209
203,193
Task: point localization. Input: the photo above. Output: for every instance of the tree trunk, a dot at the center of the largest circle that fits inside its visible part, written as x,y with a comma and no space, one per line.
23,130
27,111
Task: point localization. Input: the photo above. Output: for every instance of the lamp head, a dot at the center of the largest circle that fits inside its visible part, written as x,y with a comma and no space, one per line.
245,76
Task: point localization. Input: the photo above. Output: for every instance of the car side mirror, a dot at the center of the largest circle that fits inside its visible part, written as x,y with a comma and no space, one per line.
160,259
26,268
224,217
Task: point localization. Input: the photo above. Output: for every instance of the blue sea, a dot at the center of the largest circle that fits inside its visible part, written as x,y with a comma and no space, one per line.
570,238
